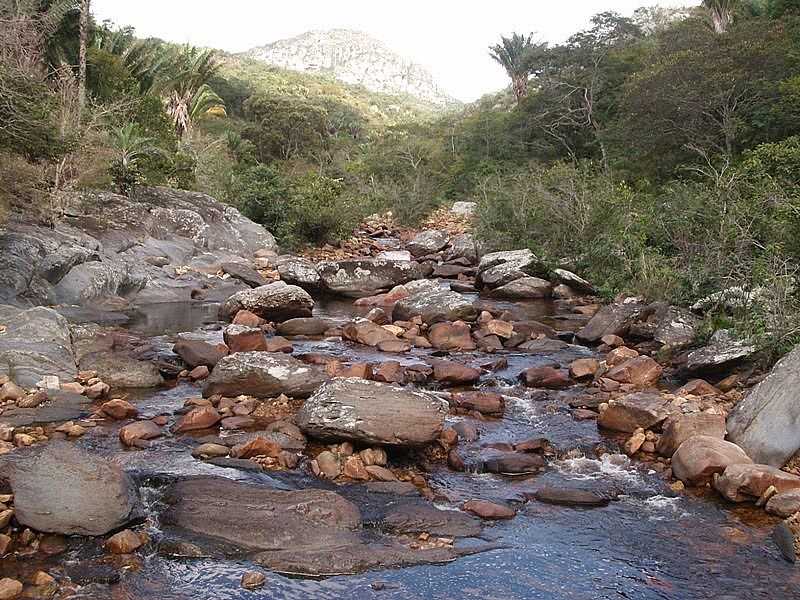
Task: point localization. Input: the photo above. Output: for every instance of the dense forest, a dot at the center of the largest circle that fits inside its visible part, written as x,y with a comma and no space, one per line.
658,154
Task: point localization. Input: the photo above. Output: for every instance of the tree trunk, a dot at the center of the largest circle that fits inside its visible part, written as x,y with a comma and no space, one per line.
84,32
520,85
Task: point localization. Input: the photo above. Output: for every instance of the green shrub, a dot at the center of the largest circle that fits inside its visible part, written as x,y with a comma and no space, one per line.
318,212
262,195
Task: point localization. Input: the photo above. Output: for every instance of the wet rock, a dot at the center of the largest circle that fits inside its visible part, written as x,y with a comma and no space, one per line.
366,277
427,242
567,496
300,272
743,481
304,326
253,580
210,450
545,377
446,371
524,288
787,538
262,375
10,589
489,510
125,542
722,350
244,273
697,459
422,517
452,337
766,424
37,342
202,417
368,333
122,371
435,307
486,403
274,302
784,504
61,489
641,372
196,353
633,411
141,430
364,411
258,446
240,338
679,428
510,463
614,319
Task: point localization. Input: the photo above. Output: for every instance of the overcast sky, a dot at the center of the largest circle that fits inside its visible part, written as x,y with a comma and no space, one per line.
449,37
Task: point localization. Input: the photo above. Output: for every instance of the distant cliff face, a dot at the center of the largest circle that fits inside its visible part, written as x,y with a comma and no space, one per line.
355,58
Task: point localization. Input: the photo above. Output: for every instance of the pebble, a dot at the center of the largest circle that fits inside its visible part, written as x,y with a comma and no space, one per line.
253,580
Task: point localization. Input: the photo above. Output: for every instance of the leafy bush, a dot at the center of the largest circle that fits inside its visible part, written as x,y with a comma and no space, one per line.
262,195
318,212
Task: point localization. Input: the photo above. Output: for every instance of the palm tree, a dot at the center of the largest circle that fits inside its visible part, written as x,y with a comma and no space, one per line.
130,146
187,95
721,13
516,55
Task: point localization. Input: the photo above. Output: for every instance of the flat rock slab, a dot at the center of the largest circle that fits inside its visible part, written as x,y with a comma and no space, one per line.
564,496
122,371
371,412
263,375
360,278
61,406
61,489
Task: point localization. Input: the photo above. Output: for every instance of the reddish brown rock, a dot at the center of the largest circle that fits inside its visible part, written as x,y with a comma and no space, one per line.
697,459
698,387
489,510
202,417
248,319
380,473
743,481
679,428
10,589
241,338
487,403
455,462
395,346
640,372
634,411
367,333
583,368
390,371
196,352
252,580
620,355
502,329
258,446
354,469
119,409
454,336
138,431
199,373
612,341
360,370
446,371
783,504
545,377
124,542
279,344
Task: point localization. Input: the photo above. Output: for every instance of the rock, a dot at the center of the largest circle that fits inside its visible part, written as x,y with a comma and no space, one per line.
452,337
486,403
61,489
279,344
500,268
446,371
244,273
427,242
511,463
641,372
614,319
10,391
584,368
545,377
629,413
366,277
248,319
571,497
241,338
395,255
354,469
202,417
766,424
258,446
784,504
374,456
466,209
613,341
262,375
329,464
300,272
371,412
253,580
97,390
274,302
121,371
676,328
524,288
697,387
573,281
304,326
489,510
119,409
744,481
787,538
210,450
199,373
435,307
10,589
37,342
722,350
698,458
379,473
368,333
124,542
462,246
620,355
679,428
196,353
140,430
635,442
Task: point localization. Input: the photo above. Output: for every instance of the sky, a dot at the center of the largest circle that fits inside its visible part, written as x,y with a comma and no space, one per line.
448,37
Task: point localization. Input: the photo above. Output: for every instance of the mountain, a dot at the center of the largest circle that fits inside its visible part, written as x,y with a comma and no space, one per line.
354,58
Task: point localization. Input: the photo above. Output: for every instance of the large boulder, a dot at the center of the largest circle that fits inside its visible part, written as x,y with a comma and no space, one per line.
629,413
679,428
614,319
427,242
697,459
524,288
197,352
371,412
434,307
500,268
37,342
462,246
743,481
61,489
300,272
274,302
767,422
359,278
722,350
573,281
676,328
121,370
264,375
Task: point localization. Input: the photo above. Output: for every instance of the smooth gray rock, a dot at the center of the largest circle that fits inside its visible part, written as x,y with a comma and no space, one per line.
614,319
576,282
371,412
427,242
676,328
435,306
499,268
359,278
274,302
463,246
722,350
244,273
263,375
300,272
766,424
122,371
524,288
61,489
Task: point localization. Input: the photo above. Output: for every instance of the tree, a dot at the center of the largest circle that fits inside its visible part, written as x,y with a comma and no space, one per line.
721,13
517,56
130,148
84,32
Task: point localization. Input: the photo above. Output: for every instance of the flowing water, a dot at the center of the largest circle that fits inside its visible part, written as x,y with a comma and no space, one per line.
649,544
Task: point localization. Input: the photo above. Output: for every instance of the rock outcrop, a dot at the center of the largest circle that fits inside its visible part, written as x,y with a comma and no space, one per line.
359,278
